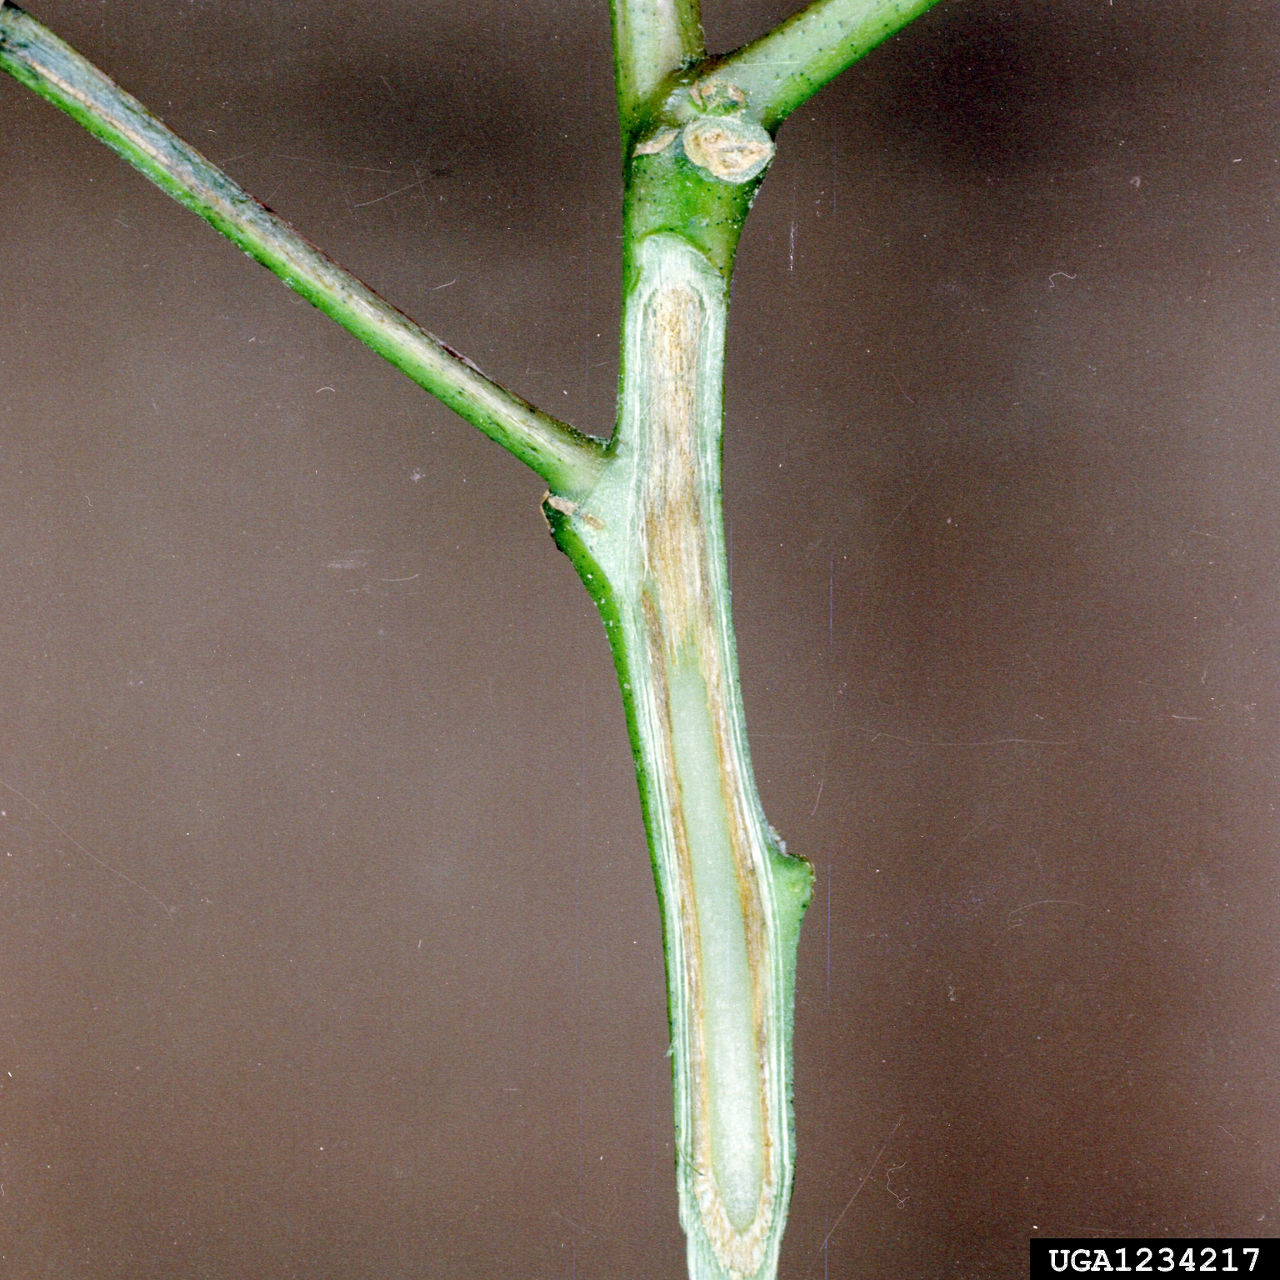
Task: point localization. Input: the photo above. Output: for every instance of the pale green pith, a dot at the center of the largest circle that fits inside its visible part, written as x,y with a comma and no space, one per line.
736,1116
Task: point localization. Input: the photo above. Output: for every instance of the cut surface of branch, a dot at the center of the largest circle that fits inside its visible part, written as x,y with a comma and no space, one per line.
649,543
565,458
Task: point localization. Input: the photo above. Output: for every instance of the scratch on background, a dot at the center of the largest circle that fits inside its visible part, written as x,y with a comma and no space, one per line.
871,1168
88,853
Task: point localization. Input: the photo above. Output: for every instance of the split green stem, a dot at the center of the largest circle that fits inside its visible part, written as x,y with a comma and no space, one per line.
649,543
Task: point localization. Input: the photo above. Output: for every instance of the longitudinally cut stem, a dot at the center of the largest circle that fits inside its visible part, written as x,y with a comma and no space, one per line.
566,459
649,542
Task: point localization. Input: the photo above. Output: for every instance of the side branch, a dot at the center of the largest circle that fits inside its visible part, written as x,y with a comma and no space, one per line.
566,459
785,68
651,39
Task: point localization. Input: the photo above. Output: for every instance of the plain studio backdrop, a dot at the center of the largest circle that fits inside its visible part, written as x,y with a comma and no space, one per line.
328,942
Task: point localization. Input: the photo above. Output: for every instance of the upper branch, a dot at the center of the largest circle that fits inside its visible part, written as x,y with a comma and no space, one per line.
651,39
788,66
566,459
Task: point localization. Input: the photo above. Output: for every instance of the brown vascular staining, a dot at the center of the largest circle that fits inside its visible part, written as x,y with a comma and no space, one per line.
673,517
677,604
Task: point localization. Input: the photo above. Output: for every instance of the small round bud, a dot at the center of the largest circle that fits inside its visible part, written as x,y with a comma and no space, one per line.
717,97
731,148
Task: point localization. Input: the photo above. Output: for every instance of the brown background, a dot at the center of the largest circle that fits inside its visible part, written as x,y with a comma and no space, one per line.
1001,480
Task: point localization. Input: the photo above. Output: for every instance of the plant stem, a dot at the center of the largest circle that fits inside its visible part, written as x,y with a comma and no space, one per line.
785,68
651,39
641,520
566,459
649,544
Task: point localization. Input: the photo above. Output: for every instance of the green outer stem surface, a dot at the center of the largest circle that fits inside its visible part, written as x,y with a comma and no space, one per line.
649,544
785,68
31,53
652,39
